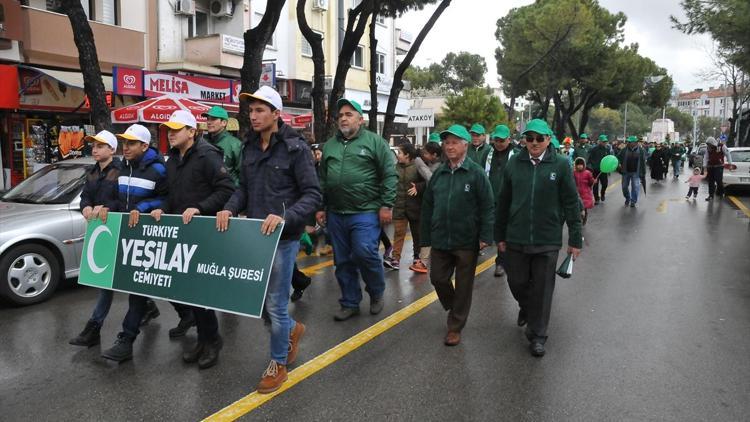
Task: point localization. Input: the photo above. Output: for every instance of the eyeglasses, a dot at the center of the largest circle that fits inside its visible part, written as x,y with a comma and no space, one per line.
532,138
500,140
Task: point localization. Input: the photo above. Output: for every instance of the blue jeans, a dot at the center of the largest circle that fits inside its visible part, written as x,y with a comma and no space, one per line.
677,165
355,249
631,186
103,303
277,298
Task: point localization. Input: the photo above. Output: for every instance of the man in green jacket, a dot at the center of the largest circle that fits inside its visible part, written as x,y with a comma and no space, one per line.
218,136
478,145
538,195
494,162
358,179
457,219
583,148
633,168
596,154
676,155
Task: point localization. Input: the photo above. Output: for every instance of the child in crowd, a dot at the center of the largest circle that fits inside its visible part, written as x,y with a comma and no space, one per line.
584,181
408,206
694,182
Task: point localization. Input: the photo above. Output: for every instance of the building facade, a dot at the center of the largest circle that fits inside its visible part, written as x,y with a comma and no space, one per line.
713,102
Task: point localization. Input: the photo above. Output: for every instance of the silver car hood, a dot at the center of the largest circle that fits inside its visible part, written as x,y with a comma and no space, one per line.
13,213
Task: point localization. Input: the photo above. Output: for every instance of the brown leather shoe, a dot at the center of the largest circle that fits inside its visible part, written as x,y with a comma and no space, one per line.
452,338
273,377
297,332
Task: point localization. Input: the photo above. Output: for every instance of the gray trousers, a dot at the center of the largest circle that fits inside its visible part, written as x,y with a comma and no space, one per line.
531,278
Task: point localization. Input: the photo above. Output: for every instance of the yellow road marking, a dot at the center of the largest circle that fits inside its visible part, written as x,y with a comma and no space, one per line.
662,208
315,269
253,400
740,205
614,184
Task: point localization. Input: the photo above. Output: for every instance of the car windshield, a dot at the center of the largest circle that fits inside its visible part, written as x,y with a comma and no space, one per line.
741,156
53,184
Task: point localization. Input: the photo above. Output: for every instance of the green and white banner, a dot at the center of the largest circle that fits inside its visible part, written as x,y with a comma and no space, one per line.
188,263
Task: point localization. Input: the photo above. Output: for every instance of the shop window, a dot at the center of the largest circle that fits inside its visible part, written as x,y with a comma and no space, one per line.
199,24
358,59
381,63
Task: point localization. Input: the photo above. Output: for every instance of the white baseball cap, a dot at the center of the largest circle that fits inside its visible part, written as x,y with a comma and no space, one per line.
103,137
136,132
266,94
181,118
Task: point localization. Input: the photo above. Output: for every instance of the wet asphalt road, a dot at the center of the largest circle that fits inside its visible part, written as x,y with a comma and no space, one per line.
653,325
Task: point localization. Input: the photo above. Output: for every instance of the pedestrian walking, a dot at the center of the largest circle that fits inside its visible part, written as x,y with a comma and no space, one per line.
495,162
143,188
457,221
218,136
277,184
584,183
659,163
199,184
539,188
358,178
632,164
427,164
694,182
583,148
713,163
479,145
677,155
407,207
601,180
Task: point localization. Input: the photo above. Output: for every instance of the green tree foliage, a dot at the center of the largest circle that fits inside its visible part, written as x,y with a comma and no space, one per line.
605,120
456,72
728,22
708,126
474,105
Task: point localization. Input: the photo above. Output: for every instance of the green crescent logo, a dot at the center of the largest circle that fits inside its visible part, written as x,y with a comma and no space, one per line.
91,249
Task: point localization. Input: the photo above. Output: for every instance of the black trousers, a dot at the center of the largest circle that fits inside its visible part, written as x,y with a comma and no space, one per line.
600,185
693,191
531,278
455,299
205,321
715,179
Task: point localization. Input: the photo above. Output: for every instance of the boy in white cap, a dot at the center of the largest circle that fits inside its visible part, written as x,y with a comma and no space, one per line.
101,192
199,184
142,188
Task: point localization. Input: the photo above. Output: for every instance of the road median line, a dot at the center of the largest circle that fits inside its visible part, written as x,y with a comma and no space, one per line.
740,205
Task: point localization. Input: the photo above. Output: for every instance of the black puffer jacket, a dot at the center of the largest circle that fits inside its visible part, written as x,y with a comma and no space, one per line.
101,186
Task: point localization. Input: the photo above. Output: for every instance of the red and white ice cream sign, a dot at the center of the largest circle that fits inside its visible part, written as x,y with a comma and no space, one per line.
156,84
158,110
128,81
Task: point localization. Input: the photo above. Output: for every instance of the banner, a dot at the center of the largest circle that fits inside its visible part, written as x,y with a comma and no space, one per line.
187,263
156,84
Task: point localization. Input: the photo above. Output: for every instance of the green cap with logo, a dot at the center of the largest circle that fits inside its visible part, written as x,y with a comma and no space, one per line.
434,137
456,130
632,139
501,131
355,105
539,126
603,138
583,136
477,128
217,112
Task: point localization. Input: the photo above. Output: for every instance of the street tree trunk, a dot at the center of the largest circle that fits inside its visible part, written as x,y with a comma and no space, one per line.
355,28
252,65
88,61
373,115
318,57
398,83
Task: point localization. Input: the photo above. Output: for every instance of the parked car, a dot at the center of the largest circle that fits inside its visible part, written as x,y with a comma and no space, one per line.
696,157
738,173
42,232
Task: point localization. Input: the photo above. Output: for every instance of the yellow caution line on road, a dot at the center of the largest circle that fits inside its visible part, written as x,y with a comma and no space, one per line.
315,269
614,184
253,400
740,205
662,208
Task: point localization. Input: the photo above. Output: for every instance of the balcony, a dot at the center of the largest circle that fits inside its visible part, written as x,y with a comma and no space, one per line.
43,45
217,50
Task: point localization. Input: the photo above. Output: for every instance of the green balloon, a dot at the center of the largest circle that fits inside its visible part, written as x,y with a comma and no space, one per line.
608,164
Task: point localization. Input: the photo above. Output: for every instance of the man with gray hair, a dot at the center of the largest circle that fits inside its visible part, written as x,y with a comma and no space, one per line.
713,165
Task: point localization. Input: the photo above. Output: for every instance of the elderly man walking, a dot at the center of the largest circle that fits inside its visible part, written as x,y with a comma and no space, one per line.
457,219
538,186
358,178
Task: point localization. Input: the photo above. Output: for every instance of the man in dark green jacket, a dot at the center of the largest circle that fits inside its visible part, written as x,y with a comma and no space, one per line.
583,148
457,220
358,179
494,162
538,195
676,155
633,168
478,145
596,154
218,136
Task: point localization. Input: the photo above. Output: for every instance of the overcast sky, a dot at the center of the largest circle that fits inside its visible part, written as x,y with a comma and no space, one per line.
469,25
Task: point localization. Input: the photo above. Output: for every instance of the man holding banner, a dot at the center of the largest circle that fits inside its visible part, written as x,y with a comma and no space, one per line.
199,184
278,184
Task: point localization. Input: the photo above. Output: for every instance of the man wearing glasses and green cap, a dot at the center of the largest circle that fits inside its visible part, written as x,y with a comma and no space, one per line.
539,187
478,146
218,136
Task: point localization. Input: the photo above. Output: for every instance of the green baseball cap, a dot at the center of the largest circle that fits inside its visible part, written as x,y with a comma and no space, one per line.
456,130
501,131
217,112
355,105
434,137
632,139
477,128
603,138
583,136
539,126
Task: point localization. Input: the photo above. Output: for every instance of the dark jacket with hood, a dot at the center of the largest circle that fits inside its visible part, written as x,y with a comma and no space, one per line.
143,182
280,180
102,187
197,180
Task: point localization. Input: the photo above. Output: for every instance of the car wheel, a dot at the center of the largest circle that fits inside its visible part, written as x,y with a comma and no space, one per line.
28,274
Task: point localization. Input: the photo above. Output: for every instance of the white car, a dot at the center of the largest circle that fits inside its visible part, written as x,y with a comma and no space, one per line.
738,173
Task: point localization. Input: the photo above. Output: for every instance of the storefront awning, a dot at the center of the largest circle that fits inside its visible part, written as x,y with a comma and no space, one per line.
73,79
